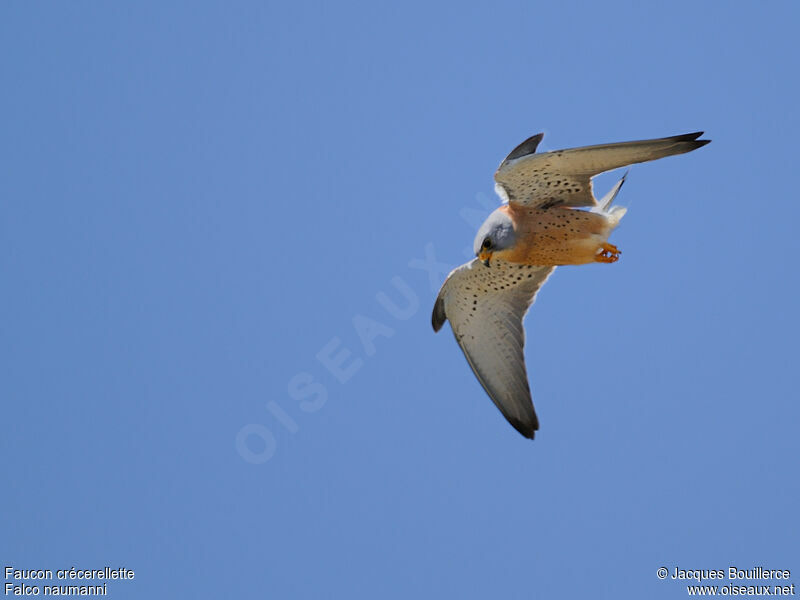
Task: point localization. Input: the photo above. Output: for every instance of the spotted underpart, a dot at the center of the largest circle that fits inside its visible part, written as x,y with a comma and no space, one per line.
556,236
485,306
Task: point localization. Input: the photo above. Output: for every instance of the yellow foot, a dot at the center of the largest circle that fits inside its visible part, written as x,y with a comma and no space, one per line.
608,253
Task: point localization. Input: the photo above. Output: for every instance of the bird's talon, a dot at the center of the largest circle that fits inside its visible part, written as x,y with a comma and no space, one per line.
608,253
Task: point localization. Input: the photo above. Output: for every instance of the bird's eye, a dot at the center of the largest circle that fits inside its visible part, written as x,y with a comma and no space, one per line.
487,243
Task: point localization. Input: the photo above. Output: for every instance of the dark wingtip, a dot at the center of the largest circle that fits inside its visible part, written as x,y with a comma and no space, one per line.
692,145
527,430
525,148
438,317
688,137
692,140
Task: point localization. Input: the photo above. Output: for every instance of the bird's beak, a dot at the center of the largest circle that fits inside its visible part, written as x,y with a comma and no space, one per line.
484,257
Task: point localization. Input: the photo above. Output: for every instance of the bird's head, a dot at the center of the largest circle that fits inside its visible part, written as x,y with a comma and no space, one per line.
496,233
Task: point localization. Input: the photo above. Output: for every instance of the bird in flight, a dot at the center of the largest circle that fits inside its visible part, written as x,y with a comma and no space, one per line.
549,218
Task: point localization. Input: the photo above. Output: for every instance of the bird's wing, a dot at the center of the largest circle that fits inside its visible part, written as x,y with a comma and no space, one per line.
564,177
485,306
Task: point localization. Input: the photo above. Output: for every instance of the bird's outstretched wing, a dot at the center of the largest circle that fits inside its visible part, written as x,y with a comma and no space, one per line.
564,177
485,307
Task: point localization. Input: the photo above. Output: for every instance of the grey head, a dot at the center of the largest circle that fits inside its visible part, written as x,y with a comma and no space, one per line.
496,233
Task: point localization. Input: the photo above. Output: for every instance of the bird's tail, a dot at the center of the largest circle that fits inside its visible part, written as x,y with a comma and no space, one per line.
613,213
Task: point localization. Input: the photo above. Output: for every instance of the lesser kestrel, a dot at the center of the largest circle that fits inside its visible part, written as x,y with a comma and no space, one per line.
540,226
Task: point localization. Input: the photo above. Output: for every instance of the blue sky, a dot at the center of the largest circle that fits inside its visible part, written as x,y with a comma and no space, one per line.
198,199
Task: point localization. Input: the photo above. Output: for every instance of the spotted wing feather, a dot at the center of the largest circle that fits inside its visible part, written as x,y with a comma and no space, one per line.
485,307
564,177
